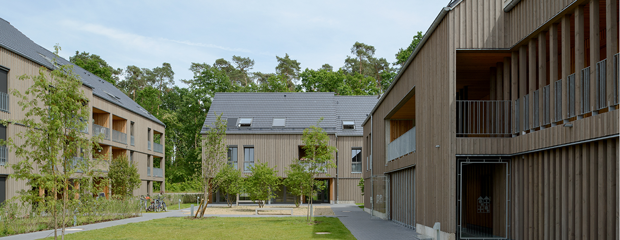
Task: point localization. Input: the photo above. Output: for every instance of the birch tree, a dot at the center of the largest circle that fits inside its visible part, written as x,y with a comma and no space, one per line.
214,156
319,156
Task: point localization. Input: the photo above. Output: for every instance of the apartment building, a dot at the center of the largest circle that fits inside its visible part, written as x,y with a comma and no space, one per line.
268,127
503,124
127,128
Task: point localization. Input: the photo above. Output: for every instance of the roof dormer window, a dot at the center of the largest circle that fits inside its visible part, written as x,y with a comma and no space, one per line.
244,122
279,122
348,124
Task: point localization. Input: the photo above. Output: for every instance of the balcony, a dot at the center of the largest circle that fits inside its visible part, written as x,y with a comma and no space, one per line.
4,155
149,145
119,137
4,102
148,171
401,146
158,172
76,162
133,142
483,118
158,148
97,129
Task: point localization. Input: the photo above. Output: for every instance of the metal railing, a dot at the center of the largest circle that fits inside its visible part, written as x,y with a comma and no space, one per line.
4,102
158,172
356,167
76,162
571,95
526,112
517,121
4,155
483,118
536,108
149,145
584,94
547,104
119,137
402,145
148,171
133,142
601,84
158,147
97,129
616,99
558,100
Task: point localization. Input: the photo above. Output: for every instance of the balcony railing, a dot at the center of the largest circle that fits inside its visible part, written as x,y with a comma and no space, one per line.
4,155
616,81
483,118
119,137
401,146
601,85
149,145
76,163
526,112
97,129
148,171
133,142
4,101
558,101
158,147
356,167
546,104
536,108
571,95
584,93
158,172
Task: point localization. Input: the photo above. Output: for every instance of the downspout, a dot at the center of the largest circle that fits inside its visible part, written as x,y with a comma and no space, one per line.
337,164
372,192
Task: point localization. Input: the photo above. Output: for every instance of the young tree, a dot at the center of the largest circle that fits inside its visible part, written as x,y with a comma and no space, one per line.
231,183
214,155
123,176
262,184
49,146
319,156
297,181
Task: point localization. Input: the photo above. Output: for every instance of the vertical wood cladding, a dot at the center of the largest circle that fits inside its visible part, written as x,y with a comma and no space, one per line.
566,193
402,197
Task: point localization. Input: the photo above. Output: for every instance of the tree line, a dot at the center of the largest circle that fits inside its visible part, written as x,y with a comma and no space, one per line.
183,110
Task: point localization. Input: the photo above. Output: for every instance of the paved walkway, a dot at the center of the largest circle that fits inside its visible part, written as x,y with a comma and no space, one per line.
363,226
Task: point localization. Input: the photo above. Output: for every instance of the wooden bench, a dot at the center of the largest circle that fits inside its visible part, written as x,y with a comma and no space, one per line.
272,209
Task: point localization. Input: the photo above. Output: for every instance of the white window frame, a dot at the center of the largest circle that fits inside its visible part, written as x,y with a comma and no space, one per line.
347,123
241,121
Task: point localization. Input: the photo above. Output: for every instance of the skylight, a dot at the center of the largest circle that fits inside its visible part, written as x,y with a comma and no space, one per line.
348,124
244,122
279,122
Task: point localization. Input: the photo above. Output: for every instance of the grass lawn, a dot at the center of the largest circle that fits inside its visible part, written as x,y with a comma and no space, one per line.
222,228
360,205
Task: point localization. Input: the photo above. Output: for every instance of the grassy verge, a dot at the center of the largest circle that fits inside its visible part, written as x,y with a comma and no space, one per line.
360,205
223,228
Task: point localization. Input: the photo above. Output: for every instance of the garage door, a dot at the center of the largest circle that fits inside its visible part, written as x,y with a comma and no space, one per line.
402,197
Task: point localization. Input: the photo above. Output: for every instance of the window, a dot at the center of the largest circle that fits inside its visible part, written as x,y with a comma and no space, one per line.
248,158
348,124
279,122
131,158
232,156
356,160
244,122
4,96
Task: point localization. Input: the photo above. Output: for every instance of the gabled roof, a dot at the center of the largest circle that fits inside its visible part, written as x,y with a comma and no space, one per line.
301,110
18,43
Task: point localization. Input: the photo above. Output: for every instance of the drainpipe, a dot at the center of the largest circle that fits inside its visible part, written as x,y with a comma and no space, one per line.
372,202
337,164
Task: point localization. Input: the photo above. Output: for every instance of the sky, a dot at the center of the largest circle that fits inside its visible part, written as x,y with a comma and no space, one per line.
149,33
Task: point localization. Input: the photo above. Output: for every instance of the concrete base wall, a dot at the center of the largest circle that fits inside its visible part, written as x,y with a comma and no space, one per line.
429,231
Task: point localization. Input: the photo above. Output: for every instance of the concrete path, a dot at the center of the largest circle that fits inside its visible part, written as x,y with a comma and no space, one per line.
363,226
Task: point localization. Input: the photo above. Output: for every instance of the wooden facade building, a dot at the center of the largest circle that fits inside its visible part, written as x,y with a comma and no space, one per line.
267,127
503,124
127,128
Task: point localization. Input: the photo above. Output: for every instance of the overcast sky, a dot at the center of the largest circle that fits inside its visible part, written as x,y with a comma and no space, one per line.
148,33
